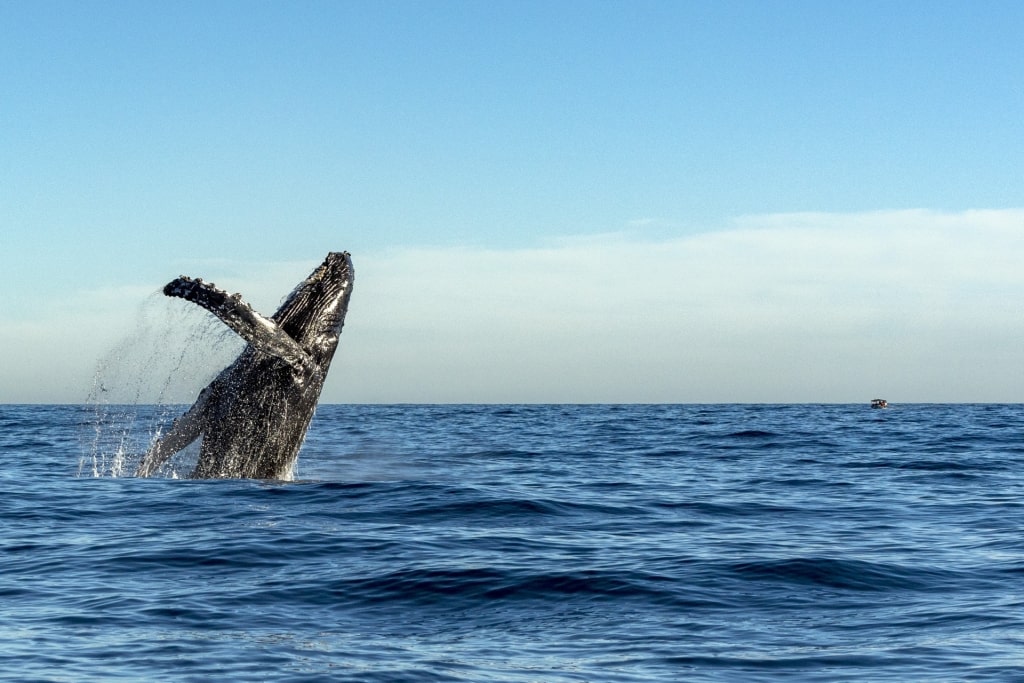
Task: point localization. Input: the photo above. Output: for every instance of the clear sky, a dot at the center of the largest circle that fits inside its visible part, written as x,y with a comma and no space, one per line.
545,201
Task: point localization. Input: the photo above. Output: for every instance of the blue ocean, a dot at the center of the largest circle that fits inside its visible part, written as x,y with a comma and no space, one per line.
524,543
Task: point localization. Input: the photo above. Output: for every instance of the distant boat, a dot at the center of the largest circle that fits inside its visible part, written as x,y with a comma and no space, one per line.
879,403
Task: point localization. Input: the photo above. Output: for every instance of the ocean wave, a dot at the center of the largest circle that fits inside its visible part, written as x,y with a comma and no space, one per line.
847,574
528,543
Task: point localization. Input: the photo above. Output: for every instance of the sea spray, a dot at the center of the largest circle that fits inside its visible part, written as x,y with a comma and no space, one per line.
149,378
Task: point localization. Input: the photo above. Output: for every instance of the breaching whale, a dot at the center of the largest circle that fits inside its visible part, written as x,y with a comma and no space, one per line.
253,416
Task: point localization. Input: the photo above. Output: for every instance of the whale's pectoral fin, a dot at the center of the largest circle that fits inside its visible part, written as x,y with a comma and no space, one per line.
183,431
264,334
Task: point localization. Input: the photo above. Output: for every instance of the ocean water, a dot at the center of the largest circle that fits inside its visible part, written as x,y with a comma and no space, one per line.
524,543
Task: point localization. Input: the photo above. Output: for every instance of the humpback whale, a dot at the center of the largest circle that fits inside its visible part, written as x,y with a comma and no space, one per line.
253,416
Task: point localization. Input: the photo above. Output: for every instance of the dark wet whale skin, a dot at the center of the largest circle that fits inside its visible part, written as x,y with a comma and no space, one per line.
254,415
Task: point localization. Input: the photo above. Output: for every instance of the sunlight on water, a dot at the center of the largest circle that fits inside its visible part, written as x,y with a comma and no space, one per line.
148,379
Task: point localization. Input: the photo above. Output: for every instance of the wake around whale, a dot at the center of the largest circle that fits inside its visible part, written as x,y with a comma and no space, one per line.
253,417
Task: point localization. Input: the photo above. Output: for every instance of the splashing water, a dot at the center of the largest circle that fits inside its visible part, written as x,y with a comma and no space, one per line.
148,379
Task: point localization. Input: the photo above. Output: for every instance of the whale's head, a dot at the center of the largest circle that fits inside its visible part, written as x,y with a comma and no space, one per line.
313,314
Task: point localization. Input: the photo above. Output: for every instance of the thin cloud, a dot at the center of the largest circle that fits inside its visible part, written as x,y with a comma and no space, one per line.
912,305
801,307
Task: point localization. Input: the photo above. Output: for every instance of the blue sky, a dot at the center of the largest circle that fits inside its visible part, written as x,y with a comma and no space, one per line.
525,189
